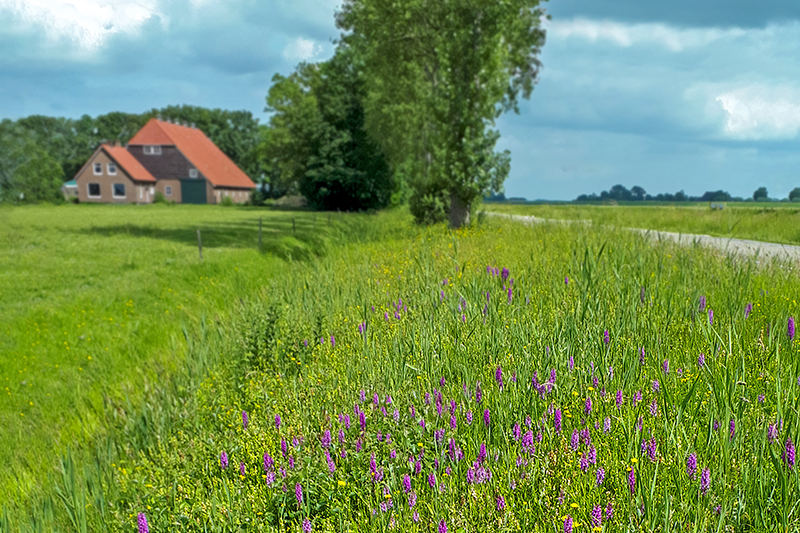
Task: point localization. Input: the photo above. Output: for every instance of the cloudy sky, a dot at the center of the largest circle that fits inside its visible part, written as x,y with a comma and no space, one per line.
688,94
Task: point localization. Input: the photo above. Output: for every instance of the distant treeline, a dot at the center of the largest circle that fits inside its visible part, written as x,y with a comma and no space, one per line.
38,153
620,193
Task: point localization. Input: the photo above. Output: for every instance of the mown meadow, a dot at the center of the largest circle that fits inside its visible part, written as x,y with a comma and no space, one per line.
502,377
97,303
770,222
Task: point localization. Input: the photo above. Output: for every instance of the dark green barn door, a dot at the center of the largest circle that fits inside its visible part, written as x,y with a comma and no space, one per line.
193,192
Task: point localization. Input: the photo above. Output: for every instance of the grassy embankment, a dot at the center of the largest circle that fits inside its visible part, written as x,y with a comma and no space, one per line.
778,223
95,305
578,428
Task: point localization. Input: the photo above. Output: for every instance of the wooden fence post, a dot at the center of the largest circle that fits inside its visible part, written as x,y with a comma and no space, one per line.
199,244
294,228
259,234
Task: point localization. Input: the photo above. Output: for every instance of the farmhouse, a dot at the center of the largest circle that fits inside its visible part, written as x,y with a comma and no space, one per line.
178,161
112,175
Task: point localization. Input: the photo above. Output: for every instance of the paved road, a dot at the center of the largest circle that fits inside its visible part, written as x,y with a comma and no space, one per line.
740,246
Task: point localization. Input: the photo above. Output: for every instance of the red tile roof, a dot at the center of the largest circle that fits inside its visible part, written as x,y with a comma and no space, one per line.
197,148
128,163
151,133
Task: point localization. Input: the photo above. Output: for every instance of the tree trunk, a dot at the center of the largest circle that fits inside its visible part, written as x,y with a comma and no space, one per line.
459,213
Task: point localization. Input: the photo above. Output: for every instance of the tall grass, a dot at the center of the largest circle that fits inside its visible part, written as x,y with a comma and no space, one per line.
415,321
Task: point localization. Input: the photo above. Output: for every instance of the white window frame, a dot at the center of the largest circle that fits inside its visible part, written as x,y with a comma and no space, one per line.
168,190
98,169
141,192
111,169
114,192
89,189
192,172
152,149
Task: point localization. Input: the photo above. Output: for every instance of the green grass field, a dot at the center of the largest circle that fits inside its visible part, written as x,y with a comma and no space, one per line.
94,301
398,378
774,222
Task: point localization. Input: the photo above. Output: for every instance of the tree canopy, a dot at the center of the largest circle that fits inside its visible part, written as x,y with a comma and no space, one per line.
439,74
27,172
317,143
286,145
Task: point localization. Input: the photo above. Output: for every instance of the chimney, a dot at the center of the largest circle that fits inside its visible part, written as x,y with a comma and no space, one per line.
193,126
160,118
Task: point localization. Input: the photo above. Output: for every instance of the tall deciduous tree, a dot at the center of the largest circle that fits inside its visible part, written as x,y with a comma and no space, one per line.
346,170
286,145
638,192
27,172
318,143
440,73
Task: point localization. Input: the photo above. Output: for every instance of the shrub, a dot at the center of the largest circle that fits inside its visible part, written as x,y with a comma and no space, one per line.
428,205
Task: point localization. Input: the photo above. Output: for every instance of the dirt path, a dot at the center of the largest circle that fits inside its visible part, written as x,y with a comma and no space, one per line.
739,246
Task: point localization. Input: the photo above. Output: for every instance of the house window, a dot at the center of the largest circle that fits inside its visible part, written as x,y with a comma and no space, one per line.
93,189
152,150
192,172
98,169
168,190
119,190
112,169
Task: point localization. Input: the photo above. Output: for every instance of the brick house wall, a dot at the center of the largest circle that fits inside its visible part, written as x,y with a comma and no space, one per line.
238,196
175,190
210,193
134,193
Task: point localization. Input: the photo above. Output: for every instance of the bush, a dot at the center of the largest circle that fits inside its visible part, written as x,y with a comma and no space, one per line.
227,201
159,198
428,205
257,197
291,202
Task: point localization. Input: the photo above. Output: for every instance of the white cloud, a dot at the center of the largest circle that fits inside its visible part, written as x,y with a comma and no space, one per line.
88,22
625,35
761,112
301,50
